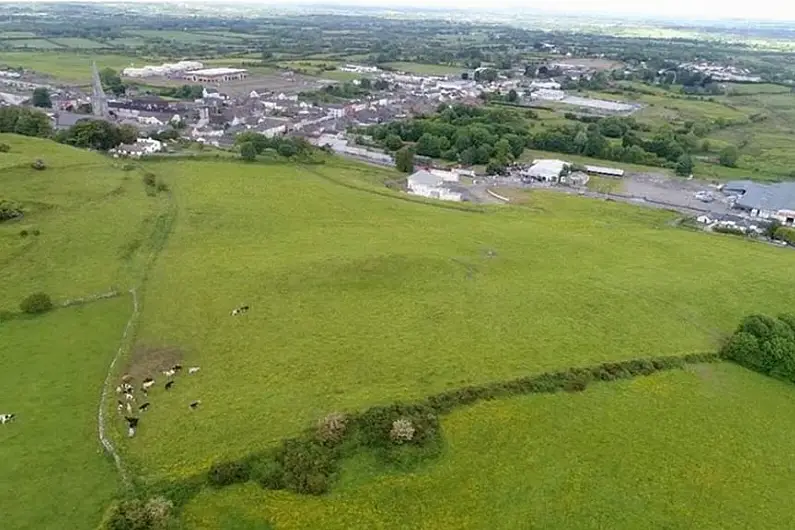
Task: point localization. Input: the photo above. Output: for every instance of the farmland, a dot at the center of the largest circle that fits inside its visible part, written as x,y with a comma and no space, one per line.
325,303
677,450
338,325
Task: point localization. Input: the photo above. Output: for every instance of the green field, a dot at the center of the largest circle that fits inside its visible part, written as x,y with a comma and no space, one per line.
362,296
409,306
52,470
703,448
67,67
425,69
81,44
39,44
184,36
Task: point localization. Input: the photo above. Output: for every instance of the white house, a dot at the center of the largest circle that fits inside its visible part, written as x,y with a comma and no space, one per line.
446,176
426,184
546,170
141,147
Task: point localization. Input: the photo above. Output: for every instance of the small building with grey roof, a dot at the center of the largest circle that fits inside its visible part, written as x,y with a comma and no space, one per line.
768,201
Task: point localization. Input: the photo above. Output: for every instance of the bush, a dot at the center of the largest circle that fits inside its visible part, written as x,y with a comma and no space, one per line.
150,180
9,210
226,473
39,164
134,514
36,303
402,431
161,186
23,233
36,232
4,148
306,466
331,429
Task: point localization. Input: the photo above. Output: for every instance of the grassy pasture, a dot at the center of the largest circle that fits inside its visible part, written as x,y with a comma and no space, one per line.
52,471
94,220
39,44
79,43
359,298
64,66
426,69
184,36
703,448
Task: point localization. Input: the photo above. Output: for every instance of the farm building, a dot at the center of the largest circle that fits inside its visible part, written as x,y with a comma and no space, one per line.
216,75
768,201
427,184
546,170
606,171
141,147
164,69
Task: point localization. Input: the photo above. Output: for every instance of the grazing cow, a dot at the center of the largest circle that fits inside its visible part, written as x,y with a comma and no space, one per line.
147,384
143,407
120,405
132,423
169,385
129,396
177,367
169,373
5,418
129,408
193,369
127,378
240,310
195,404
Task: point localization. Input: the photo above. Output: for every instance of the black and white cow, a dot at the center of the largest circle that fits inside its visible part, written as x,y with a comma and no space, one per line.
6,418
169,385
193,370
169,373
132,423
240,310
143,407
147,383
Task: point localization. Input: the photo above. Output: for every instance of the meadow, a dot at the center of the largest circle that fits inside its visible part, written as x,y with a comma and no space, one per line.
52,471
359,298
362,296
705,447
66,67
425,69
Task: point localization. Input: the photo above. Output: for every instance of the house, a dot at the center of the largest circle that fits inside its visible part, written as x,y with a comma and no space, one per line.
141,147
768,201
546,170
426,184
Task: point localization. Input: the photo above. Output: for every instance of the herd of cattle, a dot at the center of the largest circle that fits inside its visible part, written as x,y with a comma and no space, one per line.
129,403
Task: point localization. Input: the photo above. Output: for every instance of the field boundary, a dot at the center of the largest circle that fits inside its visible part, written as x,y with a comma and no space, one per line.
103,438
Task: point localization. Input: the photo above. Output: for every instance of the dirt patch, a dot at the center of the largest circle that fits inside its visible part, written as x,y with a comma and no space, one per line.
148,361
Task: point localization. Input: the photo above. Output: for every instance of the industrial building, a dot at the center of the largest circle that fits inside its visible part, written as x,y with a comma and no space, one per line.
768,201
216,75
163,70
427,184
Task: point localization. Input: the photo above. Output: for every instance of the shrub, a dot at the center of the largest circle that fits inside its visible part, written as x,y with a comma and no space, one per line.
4,148
576,385
375,424
9,210
331,429
402,431
36,232
134,514
162,186
226,473
306,466
23,233
36,303
150,180
39,164
269,472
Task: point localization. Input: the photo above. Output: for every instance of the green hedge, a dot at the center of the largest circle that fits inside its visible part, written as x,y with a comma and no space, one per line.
764,344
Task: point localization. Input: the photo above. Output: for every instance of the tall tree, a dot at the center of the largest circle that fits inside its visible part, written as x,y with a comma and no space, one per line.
404,160
684,166
729,156
41,97
111,81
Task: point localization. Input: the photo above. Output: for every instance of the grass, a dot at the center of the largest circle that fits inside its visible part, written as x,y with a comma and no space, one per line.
184,36
425,69
413,309
80,44
703,448
94,220
605,184
39,44
65,66
52,468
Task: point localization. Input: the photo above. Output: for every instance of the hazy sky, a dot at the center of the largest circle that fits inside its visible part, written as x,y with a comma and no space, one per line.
755,9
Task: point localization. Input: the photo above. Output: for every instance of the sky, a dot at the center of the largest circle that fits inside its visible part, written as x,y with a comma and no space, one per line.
781,10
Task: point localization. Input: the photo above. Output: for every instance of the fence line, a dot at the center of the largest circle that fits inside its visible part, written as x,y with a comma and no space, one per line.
103,438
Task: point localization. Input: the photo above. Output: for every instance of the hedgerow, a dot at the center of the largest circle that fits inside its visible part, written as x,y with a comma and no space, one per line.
401,434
